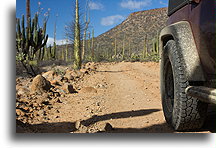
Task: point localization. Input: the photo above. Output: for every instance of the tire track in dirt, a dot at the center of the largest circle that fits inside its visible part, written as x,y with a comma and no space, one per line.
132,99
129,94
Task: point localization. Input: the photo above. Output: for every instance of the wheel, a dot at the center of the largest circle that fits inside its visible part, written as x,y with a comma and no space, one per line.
182,112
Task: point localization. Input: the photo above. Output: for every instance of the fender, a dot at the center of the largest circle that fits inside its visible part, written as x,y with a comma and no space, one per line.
182,34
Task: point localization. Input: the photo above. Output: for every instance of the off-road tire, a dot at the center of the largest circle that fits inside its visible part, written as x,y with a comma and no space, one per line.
182,112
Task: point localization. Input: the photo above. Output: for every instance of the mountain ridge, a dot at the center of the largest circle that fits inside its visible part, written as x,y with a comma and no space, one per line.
134,29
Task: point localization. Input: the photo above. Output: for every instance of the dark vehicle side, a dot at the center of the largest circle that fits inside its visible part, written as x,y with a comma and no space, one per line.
188,62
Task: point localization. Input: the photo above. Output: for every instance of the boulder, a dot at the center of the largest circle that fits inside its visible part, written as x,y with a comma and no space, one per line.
49,75
40,85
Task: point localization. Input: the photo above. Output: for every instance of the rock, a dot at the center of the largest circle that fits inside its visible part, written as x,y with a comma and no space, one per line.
35,104
49,75
101,86
88,90
108,127
20,112
68,88
90,66
54,82
85,71
77,125
40,85
22,91
26,109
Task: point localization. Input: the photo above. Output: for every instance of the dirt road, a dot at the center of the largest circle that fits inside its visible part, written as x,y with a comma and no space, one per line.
127,100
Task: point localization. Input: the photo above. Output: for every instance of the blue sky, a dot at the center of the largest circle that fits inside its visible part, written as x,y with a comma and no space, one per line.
104,14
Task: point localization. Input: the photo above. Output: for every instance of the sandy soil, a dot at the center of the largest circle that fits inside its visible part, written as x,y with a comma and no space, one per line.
127,100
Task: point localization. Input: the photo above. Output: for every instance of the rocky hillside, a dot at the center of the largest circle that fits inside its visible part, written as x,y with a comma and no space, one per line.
134,29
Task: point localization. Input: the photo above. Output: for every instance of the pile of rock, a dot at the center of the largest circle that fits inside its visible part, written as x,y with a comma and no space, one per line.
35,98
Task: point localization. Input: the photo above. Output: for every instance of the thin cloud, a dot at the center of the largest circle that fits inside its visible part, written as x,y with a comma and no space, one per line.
111,20
134,4
58,42
95,6
162,3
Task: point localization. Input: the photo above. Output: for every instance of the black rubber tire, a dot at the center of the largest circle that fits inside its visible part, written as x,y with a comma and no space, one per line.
182,112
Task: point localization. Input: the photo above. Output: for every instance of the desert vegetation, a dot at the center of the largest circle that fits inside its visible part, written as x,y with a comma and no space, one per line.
135,39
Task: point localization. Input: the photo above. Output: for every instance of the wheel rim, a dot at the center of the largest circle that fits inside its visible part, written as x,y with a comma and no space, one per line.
169,87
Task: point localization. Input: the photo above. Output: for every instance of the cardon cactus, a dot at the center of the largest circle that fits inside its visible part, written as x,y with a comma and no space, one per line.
30,39
77,41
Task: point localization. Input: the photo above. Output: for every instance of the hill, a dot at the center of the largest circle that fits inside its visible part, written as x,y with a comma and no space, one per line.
133,31
138,30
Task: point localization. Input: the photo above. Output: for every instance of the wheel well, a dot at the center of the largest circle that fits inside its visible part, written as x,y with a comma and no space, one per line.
166,38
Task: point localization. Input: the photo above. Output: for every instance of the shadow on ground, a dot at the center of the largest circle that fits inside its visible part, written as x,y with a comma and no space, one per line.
118,115
68,127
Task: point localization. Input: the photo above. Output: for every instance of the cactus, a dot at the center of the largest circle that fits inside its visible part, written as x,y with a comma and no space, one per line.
86,22
28,14
53,49
77,47
129,49
92,46
66,50
46,53
89,41
123,48
145,51
30,39
157,43
115,48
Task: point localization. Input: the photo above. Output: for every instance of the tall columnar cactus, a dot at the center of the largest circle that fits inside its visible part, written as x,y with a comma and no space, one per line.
53,49
77,46
66,50
46,53
62,54
30,39
145,50
28,13
157,43
89,41
123,48
129,49
115,48
86,22
92,46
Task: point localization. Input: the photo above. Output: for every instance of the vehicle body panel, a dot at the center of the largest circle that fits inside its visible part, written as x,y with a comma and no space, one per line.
202,19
